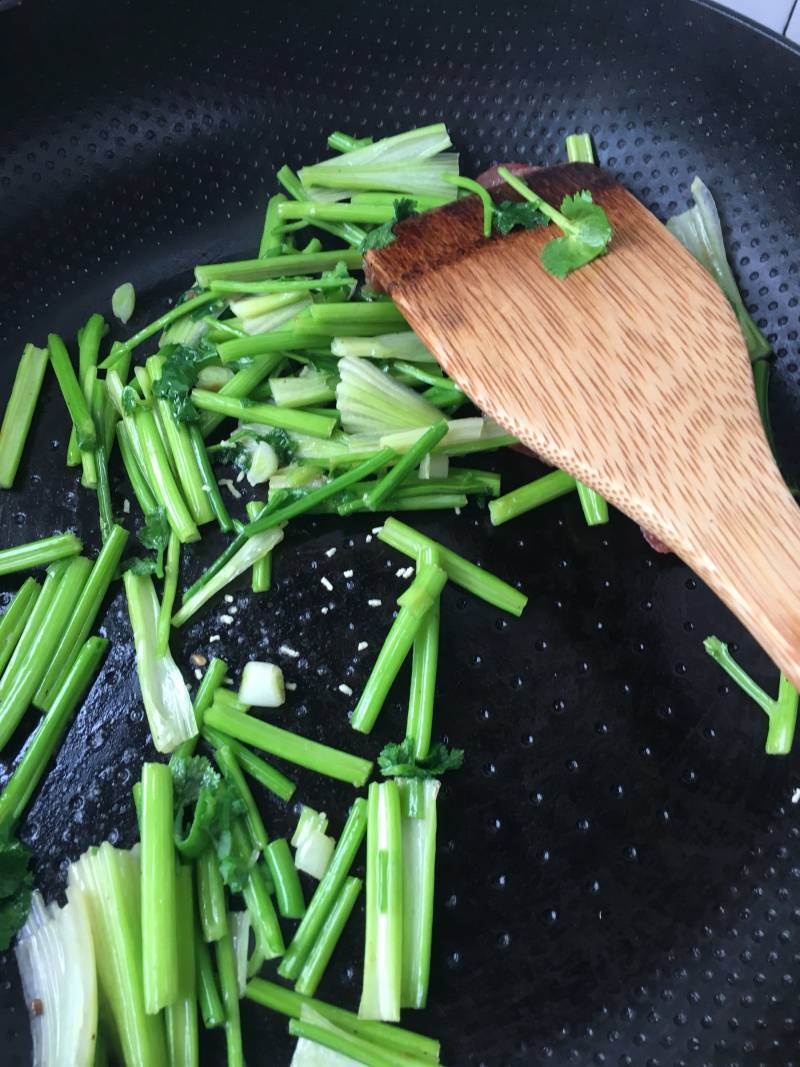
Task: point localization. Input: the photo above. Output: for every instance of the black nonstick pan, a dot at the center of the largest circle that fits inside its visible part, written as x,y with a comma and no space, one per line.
619,862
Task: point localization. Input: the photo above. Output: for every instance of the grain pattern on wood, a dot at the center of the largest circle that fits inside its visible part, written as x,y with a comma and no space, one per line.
631,375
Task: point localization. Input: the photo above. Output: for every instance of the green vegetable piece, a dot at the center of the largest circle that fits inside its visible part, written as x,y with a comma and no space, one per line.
123,301
399,760
19,411
510,213
16,886
383,235
72,393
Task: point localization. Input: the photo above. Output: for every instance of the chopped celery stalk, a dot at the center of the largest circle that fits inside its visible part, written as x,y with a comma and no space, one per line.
254,270
781,711
595,509
301,334
171,569
352,1048
241,386
83,616
226,698
207,993
383,943
527,497
474,579
472,434
294,286
226,968
417,144
136,476
228,764
423,675
210,486
699,230
314,847
15,618
39,553
72,393
19,411
405,346
262,568
33,625
270,244
203,699
304,390
156,466
434,467
180,1018
287,306
356,319
391,481
258,900
288,891
161,323
123,302
164,693
421,203
322,949
56,959
370,401
347,231
288,746
326,893
210,897
418,827
579,148
108,880
394,1039
257,768
241,926
415,603
21,683
159,901
264,414
26,776
310,1054
369,213
262,685
416,178
252,549
343,142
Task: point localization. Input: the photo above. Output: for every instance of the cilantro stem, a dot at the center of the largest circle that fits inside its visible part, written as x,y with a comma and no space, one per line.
264,414
203,699
207,993
386,485
528,194
19,411
375,214
177,312
474,579
72,393
288,285
88,350
257,768
288,891
348,232
257,898
82,619
211,896
15,618
20,787
141,490
383,941
394,1039
226,968
168,594
326,893
270,244
26,679
595,509
288,746
38,553
262,568
483,194
99,466
527,497
343,142
396,647
159,903
781,712
328,938
33,624
209,480
287,339
160,477
355,320
254,270
180,1018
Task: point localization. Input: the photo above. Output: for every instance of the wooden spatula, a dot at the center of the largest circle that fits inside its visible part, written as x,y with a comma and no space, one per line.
631,375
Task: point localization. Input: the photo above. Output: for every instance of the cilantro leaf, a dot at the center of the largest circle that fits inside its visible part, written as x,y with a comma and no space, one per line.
214,805
509,214
586,236
130,399
399,760
141,565
154,534
333,296
179,376
236,450
383,235
16,886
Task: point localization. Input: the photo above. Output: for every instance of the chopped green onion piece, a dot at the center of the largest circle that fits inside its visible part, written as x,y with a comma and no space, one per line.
285,745
19,411
474,579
